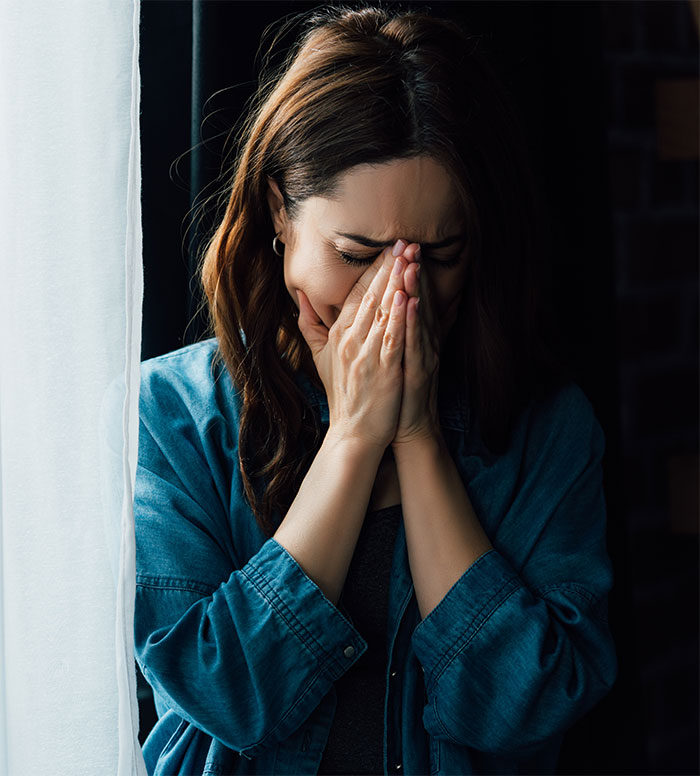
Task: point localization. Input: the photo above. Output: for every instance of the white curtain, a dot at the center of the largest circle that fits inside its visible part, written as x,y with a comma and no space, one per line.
70,301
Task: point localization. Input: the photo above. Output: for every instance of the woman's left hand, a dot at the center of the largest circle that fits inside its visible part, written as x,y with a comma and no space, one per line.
418,416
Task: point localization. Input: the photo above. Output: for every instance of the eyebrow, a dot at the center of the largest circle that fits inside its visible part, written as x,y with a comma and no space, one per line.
369,243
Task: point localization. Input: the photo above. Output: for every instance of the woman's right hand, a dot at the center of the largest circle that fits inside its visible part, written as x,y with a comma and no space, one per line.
359,358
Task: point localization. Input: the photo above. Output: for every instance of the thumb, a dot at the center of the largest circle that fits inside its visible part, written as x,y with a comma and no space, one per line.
311,326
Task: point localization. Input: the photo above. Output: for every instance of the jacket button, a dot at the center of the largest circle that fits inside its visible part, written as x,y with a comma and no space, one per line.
393,674
398,766
349,651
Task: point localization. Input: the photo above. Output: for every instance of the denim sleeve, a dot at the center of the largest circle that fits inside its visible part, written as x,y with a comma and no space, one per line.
514,655
246,651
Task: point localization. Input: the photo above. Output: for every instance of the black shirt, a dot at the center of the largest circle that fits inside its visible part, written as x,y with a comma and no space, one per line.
355,743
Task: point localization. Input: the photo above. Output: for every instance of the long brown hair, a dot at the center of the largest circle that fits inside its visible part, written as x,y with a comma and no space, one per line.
366,86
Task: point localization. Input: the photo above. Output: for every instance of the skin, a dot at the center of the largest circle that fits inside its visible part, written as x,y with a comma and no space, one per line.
376,351
411,199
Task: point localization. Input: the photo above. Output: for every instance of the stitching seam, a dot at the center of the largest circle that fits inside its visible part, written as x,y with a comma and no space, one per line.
514,585
173,583
307,639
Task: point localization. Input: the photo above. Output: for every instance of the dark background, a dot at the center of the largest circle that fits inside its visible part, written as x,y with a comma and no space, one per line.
608,96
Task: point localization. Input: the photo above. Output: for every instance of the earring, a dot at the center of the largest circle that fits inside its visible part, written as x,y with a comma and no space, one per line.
276,243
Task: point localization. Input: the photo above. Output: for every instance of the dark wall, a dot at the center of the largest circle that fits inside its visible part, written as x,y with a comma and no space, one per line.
624,265
196,86
651,96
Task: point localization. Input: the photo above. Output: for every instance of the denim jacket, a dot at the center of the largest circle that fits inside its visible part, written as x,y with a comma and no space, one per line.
242,648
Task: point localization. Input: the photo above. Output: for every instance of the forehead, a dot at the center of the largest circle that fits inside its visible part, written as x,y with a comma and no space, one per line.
412,198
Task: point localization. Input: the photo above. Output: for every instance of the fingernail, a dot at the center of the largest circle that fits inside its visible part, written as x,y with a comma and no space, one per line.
399,248
398,298
417,254
418,268
398,266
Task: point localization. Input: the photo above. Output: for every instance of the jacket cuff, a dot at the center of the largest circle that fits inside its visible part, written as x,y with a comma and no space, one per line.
466,607
301,603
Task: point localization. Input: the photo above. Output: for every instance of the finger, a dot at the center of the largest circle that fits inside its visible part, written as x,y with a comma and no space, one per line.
394,283
371,300
412,348
310,324
411,278
373,341
428,324
412,253
395,334
376,274
414,333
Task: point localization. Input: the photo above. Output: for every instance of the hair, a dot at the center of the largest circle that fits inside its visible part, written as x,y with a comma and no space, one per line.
366,86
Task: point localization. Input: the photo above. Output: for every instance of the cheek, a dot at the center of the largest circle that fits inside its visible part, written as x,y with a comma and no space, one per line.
447,288
326,284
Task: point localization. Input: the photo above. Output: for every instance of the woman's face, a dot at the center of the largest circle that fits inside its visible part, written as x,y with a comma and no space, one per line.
332,240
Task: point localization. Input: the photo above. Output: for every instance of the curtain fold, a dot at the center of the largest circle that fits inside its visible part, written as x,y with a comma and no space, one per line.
70,312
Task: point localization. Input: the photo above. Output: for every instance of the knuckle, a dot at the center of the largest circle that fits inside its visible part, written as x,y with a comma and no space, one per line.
370,299
345,350
381,316
389,342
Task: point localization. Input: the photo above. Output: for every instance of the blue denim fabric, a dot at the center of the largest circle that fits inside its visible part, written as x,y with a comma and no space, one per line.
242,649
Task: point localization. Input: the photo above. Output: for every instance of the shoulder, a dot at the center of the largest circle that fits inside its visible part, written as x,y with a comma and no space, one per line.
562,426
189,381
192,365
565,407
561,416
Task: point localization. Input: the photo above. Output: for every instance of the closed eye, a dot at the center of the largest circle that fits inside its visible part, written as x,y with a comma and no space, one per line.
364,261
357,261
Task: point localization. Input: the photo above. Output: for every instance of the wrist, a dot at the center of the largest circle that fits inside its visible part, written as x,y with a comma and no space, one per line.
425,443
353,445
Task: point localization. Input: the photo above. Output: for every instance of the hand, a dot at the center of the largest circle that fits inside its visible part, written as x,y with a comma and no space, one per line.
418,418
359,358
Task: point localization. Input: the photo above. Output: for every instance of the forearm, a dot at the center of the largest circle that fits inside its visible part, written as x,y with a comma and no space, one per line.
249,662
443,534
511,650
321,528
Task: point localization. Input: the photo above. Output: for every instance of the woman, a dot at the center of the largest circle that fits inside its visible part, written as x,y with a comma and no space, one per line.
369,512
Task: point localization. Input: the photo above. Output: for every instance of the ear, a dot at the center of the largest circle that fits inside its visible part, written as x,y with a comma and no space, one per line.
278,213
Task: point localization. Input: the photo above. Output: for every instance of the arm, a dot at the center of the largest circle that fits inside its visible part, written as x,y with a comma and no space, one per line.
526,642
321,528
514,642
247,651
359,362
244,648
443,547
